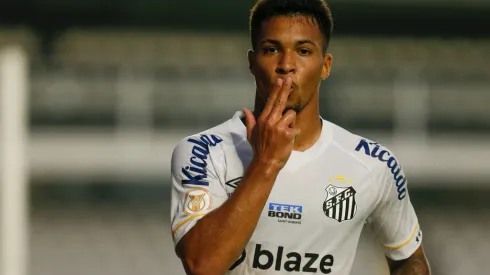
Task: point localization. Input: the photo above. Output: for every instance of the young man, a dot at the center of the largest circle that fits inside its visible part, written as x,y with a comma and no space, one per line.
279,189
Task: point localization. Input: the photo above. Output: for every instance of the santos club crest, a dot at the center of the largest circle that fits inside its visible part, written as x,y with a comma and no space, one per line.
340,203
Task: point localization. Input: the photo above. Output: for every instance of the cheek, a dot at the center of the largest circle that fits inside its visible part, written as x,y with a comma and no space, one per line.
314,68
264,69
263,75
261,83
311,76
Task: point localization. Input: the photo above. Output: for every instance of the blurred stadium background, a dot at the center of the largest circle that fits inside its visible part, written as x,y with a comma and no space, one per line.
113,85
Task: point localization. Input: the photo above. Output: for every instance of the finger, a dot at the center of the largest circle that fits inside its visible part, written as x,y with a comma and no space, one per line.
293,123
282,98
295,132
250,123
272,97
288,119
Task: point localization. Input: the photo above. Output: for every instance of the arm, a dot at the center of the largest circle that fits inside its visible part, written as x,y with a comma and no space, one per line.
213,244
217,240
394,220
416,264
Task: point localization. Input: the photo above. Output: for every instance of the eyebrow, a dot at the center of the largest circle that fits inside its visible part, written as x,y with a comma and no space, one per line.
299,42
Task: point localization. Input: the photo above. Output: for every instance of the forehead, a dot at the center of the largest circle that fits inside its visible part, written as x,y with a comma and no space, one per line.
290,28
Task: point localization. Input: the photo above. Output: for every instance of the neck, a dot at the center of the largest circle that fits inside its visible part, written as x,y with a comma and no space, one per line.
307,120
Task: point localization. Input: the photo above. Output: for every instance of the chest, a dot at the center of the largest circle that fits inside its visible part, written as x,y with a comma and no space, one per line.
330,200
325,194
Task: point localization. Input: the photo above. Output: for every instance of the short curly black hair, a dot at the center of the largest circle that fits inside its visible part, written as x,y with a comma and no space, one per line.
316,9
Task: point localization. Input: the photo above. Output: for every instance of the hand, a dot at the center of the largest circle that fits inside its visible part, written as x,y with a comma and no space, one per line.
272,135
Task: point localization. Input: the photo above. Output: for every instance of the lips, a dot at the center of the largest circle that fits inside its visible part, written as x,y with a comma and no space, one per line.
293,87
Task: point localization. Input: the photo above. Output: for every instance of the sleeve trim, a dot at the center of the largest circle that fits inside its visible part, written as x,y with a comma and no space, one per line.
405,242
186,221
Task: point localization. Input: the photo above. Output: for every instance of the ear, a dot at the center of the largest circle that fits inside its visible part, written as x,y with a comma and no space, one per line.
327,65
251,61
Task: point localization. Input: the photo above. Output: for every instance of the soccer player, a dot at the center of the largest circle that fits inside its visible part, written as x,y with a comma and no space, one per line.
278,189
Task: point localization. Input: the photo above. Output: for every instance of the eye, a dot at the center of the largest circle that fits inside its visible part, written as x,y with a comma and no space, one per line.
269,50
304,51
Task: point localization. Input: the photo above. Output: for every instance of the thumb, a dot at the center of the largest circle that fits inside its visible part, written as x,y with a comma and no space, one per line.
250,122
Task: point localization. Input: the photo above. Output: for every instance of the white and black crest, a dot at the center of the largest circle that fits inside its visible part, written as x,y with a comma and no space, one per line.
340,203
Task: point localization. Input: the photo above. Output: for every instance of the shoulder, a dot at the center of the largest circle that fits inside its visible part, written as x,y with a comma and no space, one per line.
360,148
198,158
206,141
370,152
379,159
210,142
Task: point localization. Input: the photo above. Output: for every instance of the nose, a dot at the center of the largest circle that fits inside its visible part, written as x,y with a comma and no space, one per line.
286,64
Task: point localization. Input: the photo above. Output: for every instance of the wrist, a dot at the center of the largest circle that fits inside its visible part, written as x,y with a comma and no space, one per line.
268,168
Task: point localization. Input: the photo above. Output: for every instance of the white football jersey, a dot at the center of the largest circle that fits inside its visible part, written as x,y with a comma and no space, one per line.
370,258
317,208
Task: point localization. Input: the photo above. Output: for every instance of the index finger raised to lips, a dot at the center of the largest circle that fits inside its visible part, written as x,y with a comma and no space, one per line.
282,98
271,100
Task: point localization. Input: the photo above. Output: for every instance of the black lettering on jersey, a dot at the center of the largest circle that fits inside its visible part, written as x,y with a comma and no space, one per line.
313,257
279,258
265,259
258,253
239,260
327,261
293,265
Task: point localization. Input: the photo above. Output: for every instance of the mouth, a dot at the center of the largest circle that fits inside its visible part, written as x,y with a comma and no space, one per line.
293,88
293,84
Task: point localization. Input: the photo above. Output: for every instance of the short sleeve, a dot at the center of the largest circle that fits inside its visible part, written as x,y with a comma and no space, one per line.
196,188
394,221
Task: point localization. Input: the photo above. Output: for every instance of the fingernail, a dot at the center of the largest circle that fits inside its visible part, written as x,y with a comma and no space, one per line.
279,81
289,80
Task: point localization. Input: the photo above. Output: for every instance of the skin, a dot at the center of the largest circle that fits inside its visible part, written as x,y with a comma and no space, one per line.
288,65
416,264
292,46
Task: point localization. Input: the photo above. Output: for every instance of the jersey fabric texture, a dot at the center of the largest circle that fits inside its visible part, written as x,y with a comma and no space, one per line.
317,208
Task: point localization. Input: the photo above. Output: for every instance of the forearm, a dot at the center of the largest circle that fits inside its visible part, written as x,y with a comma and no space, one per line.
219,238
412,268
417,264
